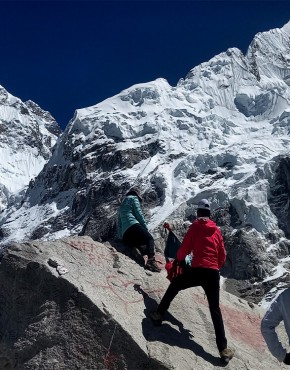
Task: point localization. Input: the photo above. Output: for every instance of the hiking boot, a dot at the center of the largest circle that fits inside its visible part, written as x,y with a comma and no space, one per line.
226,355
137,256
156,317
152,265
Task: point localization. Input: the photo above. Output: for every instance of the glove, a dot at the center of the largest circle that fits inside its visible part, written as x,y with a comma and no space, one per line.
287,359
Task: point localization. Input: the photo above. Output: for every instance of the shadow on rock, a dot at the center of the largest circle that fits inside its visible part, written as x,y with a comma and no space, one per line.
127,251
120,247
171,332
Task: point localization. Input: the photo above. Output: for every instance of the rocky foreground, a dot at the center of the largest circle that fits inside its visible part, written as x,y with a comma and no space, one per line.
79,304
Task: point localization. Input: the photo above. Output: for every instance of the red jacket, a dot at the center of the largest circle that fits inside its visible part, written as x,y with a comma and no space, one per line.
204,240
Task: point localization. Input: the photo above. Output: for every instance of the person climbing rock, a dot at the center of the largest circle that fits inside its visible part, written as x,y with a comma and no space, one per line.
205,243
133,230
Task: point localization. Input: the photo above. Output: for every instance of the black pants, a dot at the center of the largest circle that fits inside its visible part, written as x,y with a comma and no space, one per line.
139,237
208,279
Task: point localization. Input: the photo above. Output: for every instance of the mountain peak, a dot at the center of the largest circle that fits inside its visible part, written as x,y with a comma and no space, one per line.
286,28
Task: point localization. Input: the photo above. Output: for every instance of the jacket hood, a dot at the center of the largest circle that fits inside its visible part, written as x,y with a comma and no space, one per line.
207,225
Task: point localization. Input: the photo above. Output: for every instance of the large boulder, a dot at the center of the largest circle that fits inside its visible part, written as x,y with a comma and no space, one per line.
79,304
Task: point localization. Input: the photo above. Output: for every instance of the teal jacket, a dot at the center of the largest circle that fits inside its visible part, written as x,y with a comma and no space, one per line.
129,214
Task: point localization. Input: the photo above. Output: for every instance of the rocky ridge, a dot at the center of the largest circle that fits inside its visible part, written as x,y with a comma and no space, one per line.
80,304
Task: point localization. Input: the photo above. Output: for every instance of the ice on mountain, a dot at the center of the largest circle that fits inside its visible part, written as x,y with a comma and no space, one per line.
281,125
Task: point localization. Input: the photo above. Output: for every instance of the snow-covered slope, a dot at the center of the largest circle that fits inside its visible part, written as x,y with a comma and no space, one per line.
221,133
27,135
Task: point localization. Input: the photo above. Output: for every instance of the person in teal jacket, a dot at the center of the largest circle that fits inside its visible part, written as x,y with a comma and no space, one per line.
133,230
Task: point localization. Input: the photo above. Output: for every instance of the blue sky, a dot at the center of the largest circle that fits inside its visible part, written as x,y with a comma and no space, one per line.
66,55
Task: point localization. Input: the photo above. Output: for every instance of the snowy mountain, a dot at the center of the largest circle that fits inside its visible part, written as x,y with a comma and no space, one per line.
222,133
27,135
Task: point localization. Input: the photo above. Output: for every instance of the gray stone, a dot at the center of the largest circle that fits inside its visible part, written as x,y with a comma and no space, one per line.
96,316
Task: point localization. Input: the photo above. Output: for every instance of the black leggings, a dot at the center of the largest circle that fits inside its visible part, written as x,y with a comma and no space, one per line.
139,237
208,279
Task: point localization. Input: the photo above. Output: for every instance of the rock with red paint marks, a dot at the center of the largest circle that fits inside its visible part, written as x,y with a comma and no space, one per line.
96,315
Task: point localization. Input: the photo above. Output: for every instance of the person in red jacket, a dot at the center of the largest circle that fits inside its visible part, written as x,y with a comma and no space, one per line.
205,244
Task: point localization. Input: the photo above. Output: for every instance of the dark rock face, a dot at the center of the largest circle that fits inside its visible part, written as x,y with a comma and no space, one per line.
93,202
254,290
279,197
246,257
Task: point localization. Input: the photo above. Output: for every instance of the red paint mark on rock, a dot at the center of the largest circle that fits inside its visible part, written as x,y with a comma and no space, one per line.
110,361
97,254
245,327
242,326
